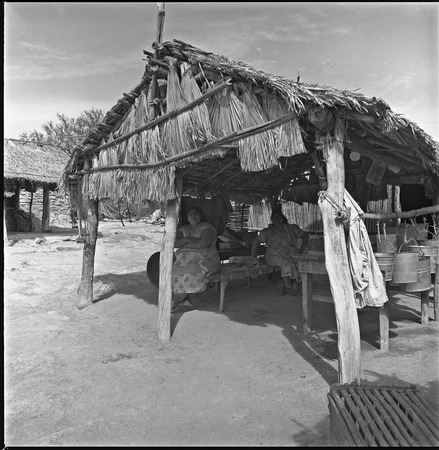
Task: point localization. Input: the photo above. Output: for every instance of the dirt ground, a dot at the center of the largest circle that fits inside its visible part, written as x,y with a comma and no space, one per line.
243,377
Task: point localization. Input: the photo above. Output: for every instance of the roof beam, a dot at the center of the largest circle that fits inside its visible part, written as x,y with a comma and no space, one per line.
361,146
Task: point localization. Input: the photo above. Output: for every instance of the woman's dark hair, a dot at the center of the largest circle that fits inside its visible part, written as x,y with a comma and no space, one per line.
280,214
199,211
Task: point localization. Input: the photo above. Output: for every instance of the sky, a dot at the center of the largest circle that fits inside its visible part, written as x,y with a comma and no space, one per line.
69,57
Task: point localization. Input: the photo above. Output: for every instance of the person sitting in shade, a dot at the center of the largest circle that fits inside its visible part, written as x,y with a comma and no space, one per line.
196,257
282,240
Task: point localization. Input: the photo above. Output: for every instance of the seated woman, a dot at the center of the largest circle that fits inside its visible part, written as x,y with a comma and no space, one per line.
282,243
196,256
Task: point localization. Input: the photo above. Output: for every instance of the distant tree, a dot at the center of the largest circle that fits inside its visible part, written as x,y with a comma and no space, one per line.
67,133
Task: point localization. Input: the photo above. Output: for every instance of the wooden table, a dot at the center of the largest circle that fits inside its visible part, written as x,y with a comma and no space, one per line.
230,271
312,264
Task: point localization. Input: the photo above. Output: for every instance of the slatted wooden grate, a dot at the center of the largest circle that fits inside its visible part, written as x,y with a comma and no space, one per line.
387,416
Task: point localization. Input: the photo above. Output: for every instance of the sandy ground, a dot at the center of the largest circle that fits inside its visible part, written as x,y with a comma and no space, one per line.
244,377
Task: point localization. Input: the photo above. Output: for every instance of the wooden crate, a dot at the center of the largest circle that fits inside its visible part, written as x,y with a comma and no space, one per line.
386,416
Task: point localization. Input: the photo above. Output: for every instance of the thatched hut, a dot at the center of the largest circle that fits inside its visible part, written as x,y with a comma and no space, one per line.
30,166
201,125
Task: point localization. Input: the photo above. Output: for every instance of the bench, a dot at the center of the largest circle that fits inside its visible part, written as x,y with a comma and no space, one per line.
381,416
232,271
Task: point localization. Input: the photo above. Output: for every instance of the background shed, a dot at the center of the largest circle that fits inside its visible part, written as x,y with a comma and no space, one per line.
29,167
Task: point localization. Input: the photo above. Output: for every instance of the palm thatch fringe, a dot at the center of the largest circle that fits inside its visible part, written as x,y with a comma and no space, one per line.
133,186
126,149
178,132
225,113
199,114
256,152
208,153
94,182
259,215
306,215
150,147
289,140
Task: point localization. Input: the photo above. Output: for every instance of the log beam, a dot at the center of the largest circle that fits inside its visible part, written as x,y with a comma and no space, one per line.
166,263
361,146
336,262
403,215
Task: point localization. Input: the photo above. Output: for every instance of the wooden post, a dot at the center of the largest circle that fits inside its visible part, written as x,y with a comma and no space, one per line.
436,274
30,208
307,293
336,262
46,210
5,228
159,38
85,290
436,292
166,263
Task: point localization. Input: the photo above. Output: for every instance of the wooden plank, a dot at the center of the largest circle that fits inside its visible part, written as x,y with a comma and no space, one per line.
349,344
166,263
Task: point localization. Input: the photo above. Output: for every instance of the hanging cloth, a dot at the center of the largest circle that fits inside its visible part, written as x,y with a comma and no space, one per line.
367,279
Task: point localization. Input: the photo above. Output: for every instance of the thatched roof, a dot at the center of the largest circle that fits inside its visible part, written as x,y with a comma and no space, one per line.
40,165
251,139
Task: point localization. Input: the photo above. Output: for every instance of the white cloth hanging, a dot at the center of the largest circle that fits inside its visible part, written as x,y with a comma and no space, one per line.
367,279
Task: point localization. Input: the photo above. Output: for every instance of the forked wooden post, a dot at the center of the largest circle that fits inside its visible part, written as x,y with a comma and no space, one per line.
166,262
85,290
337,266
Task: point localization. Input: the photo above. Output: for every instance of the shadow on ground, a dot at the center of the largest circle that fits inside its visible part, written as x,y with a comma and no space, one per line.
262,306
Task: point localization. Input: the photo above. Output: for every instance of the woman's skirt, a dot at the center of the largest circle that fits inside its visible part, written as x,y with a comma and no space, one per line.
191,267
282,257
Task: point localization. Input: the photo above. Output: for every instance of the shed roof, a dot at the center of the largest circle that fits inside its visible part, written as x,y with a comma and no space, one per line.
229,143
39,164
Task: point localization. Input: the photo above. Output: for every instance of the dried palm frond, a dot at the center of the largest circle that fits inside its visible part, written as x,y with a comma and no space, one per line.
225,113
149,149
289,140
94,180
126,149
256,152
199,114
260,214
147,184
177,132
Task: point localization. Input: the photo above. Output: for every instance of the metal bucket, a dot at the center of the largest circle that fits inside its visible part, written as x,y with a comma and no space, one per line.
405,268
427,250
423,281
386,262
407,232
387,244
